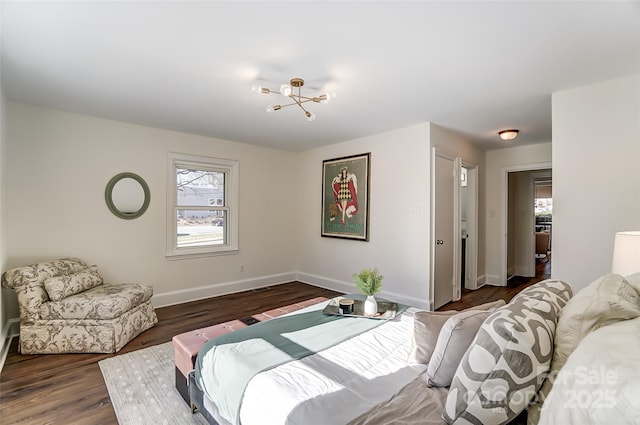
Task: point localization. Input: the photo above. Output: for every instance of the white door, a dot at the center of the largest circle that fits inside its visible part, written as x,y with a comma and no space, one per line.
443,228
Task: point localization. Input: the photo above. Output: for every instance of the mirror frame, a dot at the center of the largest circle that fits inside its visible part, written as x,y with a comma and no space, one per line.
108,196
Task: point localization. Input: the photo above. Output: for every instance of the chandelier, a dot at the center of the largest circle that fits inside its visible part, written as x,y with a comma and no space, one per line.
288,90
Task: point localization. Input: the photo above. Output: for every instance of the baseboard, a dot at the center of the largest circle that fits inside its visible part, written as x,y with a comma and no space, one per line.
193,294
494,280
350,288
479,283
10,331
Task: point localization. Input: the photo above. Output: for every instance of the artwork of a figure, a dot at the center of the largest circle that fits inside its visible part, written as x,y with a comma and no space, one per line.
345,193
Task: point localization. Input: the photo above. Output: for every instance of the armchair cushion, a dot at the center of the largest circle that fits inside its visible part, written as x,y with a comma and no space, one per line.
106,301
60,287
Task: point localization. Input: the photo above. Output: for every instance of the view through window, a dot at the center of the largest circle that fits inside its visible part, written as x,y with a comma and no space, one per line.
202,213
201,209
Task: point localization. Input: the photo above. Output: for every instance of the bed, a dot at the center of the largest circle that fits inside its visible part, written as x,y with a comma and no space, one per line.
490,364
339,384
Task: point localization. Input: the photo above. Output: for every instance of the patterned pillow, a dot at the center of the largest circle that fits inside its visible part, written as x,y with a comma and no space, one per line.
508,359
60,287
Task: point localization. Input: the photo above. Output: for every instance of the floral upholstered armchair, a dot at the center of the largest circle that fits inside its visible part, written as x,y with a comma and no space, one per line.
66,308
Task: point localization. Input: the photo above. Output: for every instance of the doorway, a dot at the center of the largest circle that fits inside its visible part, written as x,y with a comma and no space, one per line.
528,223
454,234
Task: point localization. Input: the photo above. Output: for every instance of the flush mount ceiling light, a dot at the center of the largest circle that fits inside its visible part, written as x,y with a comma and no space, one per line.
288,91
508,134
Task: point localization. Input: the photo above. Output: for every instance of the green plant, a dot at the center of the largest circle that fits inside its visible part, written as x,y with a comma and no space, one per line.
368,281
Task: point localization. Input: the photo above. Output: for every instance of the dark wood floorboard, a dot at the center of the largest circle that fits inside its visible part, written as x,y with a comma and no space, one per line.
69,388
493,293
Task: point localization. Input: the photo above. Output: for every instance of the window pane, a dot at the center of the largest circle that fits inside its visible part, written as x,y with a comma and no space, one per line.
200,188
201,228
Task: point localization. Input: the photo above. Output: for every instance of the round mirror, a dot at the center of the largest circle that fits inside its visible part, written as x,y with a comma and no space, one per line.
127,195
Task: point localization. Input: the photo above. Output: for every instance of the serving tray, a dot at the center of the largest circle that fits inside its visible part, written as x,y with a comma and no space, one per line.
386,309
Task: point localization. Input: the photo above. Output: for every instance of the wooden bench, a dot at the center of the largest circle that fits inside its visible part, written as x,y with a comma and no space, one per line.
187,345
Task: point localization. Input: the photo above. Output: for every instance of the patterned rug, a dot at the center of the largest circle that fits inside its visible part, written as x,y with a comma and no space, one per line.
142,388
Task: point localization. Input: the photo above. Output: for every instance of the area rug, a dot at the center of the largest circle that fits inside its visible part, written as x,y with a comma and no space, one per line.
142,388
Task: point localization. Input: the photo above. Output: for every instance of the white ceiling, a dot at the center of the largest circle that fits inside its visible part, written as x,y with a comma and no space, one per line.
475,67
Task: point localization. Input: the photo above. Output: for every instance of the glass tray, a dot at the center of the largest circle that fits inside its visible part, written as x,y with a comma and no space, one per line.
386,309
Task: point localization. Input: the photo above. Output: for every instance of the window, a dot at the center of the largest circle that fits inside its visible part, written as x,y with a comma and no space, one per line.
202,212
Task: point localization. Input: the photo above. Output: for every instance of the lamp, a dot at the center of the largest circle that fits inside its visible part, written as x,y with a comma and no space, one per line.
508,134
626,253
288,91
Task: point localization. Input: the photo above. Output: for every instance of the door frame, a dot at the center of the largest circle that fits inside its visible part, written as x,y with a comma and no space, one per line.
504,201
471,272
472,229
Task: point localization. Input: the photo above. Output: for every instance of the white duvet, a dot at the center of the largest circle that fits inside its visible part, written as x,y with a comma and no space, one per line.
600,382
337,384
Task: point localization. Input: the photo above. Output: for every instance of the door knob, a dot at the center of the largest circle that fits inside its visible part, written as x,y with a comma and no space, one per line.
439,242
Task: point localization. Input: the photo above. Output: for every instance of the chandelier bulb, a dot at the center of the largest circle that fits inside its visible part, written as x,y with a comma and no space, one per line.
269,109
256,88
310,116
285,90
328,97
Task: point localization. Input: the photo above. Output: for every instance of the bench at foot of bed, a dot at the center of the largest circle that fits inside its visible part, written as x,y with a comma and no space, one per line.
187,345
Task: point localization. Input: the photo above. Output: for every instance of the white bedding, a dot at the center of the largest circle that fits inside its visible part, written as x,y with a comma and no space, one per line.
600,382
338,384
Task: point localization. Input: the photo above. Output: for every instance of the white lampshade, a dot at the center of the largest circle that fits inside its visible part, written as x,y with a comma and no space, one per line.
626,253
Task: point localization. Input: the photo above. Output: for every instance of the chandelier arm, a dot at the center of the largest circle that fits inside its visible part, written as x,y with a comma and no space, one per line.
299,102
288,104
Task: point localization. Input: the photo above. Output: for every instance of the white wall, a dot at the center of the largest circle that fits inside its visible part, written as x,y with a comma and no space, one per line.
59,166
498,163
399,217
596,175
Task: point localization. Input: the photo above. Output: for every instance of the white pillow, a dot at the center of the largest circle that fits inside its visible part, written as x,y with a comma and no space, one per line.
454,340
600,382
609,299
427,326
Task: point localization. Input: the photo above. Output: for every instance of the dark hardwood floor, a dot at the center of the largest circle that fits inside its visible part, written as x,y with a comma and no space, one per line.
493,293
69,389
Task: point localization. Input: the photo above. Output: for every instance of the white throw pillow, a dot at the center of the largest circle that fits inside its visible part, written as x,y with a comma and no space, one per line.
454,340
427,326
600,382
609,299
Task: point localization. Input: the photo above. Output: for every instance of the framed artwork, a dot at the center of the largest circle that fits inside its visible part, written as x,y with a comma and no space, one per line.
345,197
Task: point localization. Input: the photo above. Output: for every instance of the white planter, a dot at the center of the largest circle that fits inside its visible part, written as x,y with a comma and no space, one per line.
370,306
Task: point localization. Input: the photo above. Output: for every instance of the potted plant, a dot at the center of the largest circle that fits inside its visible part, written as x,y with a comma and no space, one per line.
369,282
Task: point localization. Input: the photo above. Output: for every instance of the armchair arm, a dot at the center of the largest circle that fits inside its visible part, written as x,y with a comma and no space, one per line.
28,282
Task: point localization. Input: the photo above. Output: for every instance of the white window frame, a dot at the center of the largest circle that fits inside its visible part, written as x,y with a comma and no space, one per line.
231,168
